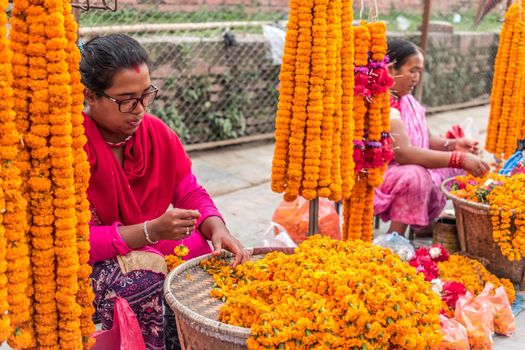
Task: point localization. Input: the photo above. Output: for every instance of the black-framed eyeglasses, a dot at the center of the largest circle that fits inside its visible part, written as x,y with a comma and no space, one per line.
128,105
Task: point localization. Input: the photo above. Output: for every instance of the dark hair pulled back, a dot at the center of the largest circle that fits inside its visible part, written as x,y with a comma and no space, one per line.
400,50
103,56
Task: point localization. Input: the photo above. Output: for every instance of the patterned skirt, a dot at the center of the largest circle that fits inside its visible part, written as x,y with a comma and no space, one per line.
143,290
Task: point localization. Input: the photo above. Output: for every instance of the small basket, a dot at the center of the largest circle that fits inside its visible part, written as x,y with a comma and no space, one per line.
187,292
474,228
446,234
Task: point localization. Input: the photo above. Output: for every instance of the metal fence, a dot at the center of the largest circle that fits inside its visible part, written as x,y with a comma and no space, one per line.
218,79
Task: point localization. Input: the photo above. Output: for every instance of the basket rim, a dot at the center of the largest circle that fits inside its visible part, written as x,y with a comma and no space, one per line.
191,315
460,200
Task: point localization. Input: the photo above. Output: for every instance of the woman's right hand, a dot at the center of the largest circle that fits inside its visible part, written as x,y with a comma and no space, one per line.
474,165
175,224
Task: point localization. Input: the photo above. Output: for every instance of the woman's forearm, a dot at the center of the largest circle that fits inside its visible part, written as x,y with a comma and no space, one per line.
441,144
210,225
419,156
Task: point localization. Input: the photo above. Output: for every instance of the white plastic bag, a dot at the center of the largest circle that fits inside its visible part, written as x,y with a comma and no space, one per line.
397,244
276,236
470,129
276,37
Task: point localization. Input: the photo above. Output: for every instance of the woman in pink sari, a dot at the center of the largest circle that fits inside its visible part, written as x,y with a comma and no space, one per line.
410,193
138,169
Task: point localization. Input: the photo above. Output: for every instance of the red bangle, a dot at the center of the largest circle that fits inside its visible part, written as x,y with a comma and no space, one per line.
456,160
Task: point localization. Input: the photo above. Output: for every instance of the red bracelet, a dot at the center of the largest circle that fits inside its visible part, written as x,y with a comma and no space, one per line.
456,160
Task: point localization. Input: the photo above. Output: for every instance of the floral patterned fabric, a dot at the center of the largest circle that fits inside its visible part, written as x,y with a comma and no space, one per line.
143,290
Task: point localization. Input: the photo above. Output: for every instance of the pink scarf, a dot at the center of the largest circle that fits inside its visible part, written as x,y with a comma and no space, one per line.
143,187
413,116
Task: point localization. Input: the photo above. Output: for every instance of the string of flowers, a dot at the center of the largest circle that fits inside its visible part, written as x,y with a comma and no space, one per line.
42,206
323,296
506,88
354,209
85,294
327,160
314,120
347,100
284,107
299,112
336,186
314,116
14,208
62,175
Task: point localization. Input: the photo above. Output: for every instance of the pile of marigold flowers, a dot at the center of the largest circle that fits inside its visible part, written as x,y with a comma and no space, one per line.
329,294
476,189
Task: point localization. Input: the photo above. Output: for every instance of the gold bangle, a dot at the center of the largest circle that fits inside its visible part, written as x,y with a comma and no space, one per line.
146,233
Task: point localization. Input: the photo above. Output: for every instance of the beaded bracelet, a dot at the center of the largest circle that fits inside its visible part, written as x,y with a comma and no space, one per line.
146,233
456,160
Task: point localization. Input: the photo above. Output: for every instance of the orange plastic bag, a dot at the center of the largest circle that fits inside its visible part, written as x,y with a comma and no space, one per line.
293,216
454,335
125,333
504,322
477,319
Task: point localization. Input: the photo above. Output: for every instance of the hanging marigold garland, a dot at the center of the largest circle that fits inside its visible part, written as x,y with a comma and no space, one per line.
284,107
372,151
81,175
506,120
312,133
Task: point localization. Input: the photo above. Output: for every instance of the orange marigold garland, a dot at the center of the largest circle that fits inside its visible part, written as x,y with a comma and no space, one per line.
42,205
347,76
310,158
336,185
505,123
85,294
14,209
312,151
62,175
284,108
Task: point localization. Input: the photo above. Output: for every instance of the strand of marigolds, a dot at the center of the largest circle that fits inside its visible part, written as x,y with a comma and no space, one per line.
362,46
85,294
336,185
309,299
347,75
299,112
354,207
368,213
22,335
284,107
509,93
14,208
42,206
502,88
507,202
314,115
515,113
327,125
63,177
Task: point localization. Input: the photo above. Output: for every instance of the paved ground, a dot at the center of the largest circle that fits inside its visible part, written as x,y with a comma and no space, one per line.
238,179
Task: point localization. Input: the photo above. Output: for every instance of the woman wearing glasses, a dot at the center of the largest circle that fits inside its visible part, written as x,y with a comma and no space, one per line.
138,168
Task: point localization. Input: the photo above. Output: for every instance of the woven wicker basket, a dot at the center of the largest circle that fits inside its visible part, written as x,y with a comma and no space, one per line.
446,234
187,292
475,238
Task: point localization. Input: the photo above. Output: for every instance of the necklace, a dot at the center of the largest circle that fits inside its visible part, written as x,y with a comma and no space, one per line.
119,144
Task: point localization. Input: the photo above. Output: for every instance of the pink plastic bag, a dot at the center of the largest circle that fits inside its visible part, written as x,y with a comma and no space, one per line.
125,333
454,335
477,319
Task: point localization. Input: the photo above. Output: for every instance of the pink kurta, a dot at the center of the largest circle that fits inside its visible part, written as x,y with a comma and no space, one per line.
410,193
156,172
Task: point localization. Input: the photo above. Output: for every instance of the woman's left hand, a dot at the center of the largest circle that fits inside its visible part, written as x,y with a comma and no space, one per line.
466,145
222,239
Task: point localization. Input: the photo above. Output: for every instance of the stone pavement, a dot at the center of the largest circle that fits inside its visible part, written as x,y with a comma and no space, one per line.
238,179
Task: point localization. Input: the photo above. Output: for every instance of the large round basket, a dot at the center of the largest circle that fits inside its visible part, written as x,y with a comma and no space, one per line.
187,292
475,238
